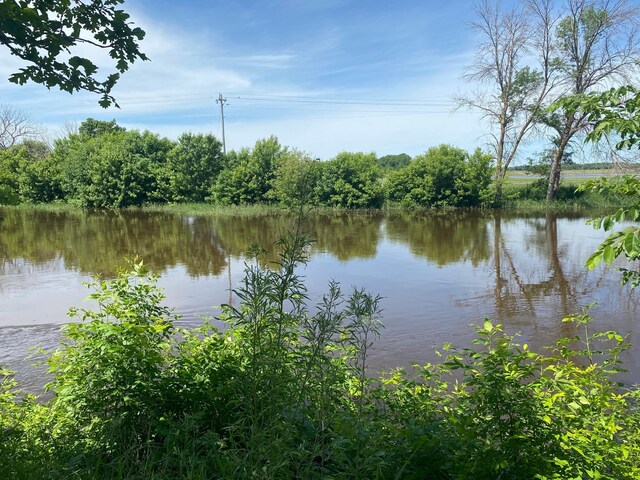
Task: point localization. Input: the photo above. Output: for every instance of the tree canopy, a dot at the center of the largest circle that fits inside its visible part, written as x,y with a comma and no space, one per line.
44,34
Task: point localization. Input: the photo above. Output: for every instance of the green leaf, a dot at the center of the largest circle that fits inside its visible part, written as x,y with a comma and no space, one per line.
609,254
594,260
629,244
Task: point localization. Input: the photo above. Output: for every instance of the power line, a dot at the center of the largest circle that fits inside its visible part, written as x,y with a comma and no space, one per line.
349,102
315,97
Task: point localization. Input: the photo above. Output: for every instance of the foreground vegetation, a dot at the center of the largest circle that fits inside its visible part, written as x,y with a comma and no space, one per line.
285,393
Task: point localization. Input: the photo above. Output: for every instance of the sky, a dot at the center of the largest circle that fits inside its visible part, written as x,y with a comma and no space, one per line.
324,76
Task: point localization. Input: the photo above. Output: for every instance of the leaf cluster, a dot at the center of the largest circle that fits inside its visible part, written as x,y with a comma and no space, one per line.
45,34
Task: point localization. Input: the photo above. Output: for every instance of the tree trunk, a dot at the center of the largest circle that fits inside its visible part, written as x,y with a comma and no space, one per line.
556,162
500,171
554,175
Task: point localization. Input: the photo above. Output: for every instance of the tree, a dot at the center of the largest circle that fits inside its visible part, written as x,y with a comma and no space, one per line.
94,128
113,170
27,174
394,162
351,180
442,176
45,34
249,175
193,165
296,179
597,42
511,93
16,126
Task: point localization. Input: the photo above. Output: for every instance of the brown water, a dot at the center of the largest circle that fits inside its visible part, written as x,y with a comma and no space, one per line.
438,273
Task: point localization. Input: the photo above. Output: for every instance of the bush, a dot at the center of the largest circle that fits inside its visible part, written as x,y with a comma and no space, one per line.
193,164
8,196
442,176
537,190
249,174
296,180
114,169
351,180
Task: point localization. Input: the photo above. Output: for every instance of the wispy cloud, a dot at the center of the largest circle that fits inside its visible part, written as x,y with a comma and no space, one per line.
281,60
337,52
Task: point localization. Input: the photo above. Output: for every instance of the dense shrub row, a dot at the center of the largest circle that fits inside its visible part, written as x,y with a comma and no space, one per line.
284,393
103,165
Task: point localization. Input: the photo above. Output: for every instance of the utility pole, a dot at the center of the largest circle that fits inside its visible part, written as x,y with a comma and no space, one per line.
221,100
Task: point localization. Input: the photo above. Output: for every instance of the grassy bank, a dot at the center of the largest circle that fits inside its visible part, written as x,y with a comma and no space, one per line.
520,192
284,394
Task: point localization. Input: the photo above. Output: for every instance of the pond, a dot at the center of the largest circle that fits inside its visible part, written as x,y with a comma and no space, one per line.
438,273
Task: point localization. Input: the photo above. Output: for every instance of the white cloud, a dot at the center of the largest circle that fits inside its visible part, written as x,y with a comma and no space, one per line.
175,92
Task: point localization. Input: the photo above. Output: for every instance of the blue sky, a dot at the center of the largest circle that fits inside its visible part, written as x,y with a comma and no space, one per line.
323,75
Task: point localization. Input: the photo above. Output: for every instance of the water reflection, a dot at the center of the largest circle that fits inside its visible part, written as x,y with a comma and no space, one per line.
97,242
443,237
439,272
514,284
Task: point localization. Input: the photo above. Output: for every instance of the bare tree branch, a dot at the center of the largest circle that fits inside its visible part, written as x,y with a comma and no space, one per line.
598,44
16,126
511,93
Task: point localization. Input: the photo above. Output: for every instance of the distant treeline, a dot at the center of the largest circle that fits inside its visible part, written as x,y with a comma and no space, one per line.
103,165
572,166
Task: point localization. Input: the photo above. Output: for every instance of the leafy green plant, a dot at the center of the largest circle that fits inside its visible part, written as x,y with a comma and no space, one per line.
623,243
249,174
108,376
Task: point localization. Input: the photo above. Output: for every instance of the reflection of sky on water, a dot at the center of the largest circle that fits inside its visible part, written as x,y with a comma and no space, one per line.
437,275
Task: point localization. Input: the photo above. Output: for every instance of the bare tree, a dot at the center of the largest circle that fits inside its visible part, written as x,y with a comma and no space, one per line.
511,93
597,44
70,127
16,126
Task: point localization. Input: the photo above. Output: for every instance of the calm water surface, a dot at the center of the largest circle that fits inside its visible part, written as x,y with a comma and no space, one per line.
438,273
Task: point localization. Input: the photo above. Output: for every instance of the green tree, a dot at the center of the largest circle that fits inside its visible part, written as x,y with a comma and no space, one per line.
28,174
39,175
296,179
94,128
9,177
597,43
193,164
442,176
511,90
351,180
394,162
114,170
249,175
46,34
